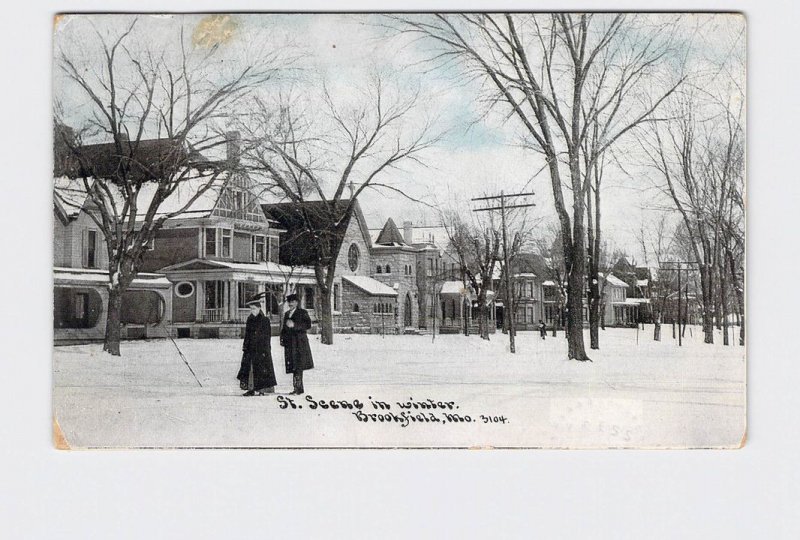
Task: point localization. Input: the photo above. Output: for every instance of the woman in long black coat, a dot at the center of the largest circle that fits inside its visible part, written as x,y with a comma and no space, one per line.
256,374
294,340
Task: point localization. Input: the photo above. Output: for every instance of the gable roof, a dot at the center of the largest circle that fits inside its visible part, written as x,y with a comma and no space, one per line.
70,196
327,220
143,160
389,235
614,280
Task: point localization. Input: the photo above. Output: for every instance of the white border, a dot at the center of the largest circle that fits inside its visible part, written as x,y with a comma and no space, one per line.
749,493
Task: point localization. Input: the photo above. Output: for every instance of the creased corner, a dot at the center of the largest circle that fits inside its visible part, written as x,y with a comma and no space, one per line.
58,437
743,441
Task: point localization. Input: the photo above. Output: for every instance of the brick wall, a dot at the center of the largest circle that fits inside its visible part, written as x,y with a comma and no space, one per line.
171,246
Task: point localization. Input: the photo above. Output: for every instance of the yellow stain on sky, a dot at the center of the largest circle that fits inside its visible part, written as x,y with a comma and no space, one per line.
214,30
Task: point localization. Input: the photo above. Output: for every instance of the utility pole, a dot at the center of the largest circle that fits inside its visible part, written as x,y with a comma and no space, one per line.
509,300
679,266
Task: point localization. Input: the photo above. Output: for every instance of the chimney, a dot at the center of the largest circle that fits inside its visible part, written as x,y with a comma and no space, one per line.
233,146
408,234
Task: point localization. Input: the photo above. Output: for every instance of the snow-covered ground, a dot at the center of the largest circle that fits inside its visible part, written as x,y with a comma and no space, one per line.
635,393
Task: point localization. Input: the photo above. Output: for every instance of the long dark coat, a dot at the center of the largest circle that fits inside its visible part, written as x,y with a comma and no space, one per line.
296,351
257,351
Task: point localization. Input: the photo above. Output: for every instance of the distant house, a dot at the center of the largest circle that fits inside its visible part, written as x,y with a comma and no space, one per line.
638,280
204,264
80,277
619,310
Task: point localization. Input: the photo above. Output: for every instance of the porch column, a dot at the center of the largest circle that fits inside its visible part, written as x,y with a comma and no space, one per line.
234,300
200,292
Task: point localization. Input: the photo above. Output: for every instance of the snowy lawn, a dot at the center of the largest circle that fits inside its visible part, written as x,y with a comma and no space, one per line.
633,394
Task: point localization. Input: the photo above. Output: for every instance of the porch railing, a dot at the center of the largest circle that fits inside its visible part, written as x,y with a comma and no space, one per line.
214,315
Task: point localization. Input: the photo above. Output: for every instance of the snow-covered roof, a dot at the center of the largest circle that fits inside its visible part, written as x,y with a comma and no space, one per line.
615,281
549,283
373,287
256,267
71,194
642,282
452,287
631,302
525,275
100,277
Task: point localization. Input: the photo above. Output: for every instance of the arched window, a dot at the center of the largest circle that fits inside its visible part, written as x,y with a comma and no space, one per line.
355,308
388,269
353,256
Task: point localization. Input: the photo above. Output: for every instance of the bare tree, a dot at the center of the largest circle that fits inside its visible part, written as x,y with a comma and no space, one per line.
562,76
159,112
658,243
698,155
477,246
331,155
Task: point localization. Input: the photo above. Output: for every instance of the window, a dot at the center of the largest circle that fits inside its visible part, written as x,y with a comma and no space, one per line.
530,291
308,297
81,307
259,248
388,269
379,269
430,267
215,290
336,302
76,309
211,242
184,289
352,257
238,200
247,290
227,235
355,307
91,248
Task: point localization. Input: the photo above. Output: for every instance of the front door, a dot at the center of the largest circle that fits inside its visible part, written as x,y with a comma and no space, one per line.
407,311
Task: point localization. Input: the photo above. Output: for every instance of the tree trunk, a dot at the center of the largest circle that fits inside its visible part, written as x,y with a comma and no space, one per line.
718,306
594,322
484,322
111,344
723,292
706,286
739,295
326,317
657,328
576,348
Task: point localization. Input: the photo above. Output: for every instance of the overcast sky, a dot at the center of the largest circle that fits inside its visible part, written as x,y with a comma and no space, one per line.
476,157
